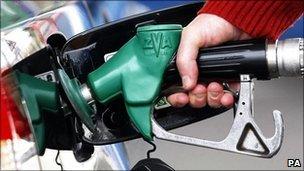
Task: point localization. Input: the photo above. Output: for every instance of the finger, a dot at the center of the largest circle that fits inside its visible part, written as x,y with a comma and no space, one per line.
178,99
214,94
186,57
227,100
198,96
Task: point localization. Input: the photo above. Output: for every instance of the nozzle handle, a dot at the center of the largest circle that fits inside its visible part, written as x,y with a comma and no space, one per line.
231,59
32,96
256,57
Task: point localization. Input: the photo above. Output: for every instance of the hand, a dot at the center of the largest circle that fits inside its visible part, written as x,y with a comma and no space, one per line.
204,31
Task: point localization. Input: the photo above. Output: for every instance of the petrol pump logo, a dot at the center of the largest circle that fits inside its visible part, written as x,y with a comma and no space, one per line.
158,43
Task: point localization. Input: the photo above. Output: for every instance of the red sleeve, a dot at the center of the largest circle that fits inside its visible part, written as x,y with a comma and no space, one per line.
257,18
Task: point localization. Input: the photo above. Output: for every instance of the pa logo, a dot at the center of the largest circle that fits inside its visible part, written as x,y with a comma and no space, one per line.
293,163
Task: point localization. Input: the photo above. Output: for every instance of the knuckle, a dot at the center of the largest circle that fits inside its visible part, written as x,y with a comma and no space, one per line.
176,101
185,30
215,103
197,102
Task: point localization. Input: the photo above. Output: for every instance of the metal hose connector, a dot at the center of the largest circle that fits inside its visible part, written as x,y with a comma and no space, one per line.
285,58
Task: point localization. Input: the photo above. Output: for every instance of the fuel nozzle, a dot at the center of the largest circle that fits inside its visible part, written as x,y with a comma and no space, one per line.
257,57
285,58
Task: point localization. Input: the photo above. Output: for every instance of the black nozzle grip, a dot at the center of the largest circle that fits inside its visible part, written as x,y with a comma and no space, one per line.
231,59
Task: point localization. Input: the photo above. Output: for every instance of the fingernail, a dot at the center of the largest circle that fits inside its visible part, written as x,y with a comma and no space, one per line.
214,94
186,81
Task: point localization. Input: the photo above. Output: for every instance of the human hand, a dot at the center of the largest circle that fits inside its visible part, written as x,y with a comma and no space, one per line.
204,31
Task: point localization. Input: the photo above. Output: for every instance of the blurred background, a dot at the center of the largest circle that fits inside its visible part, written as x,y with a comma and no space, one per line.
25,26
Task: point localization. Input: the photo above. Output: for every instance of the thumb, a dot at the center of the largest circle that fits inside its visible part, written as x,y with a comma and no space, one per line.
186,57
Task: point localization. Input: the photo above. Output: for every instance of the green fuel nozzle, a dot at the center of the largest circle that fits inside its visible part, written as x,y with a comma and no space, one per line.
32,96
135,72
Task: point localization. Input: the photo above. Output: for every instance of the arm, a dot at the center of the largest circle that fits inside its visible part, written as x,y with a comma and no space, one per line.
221,21
257,18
